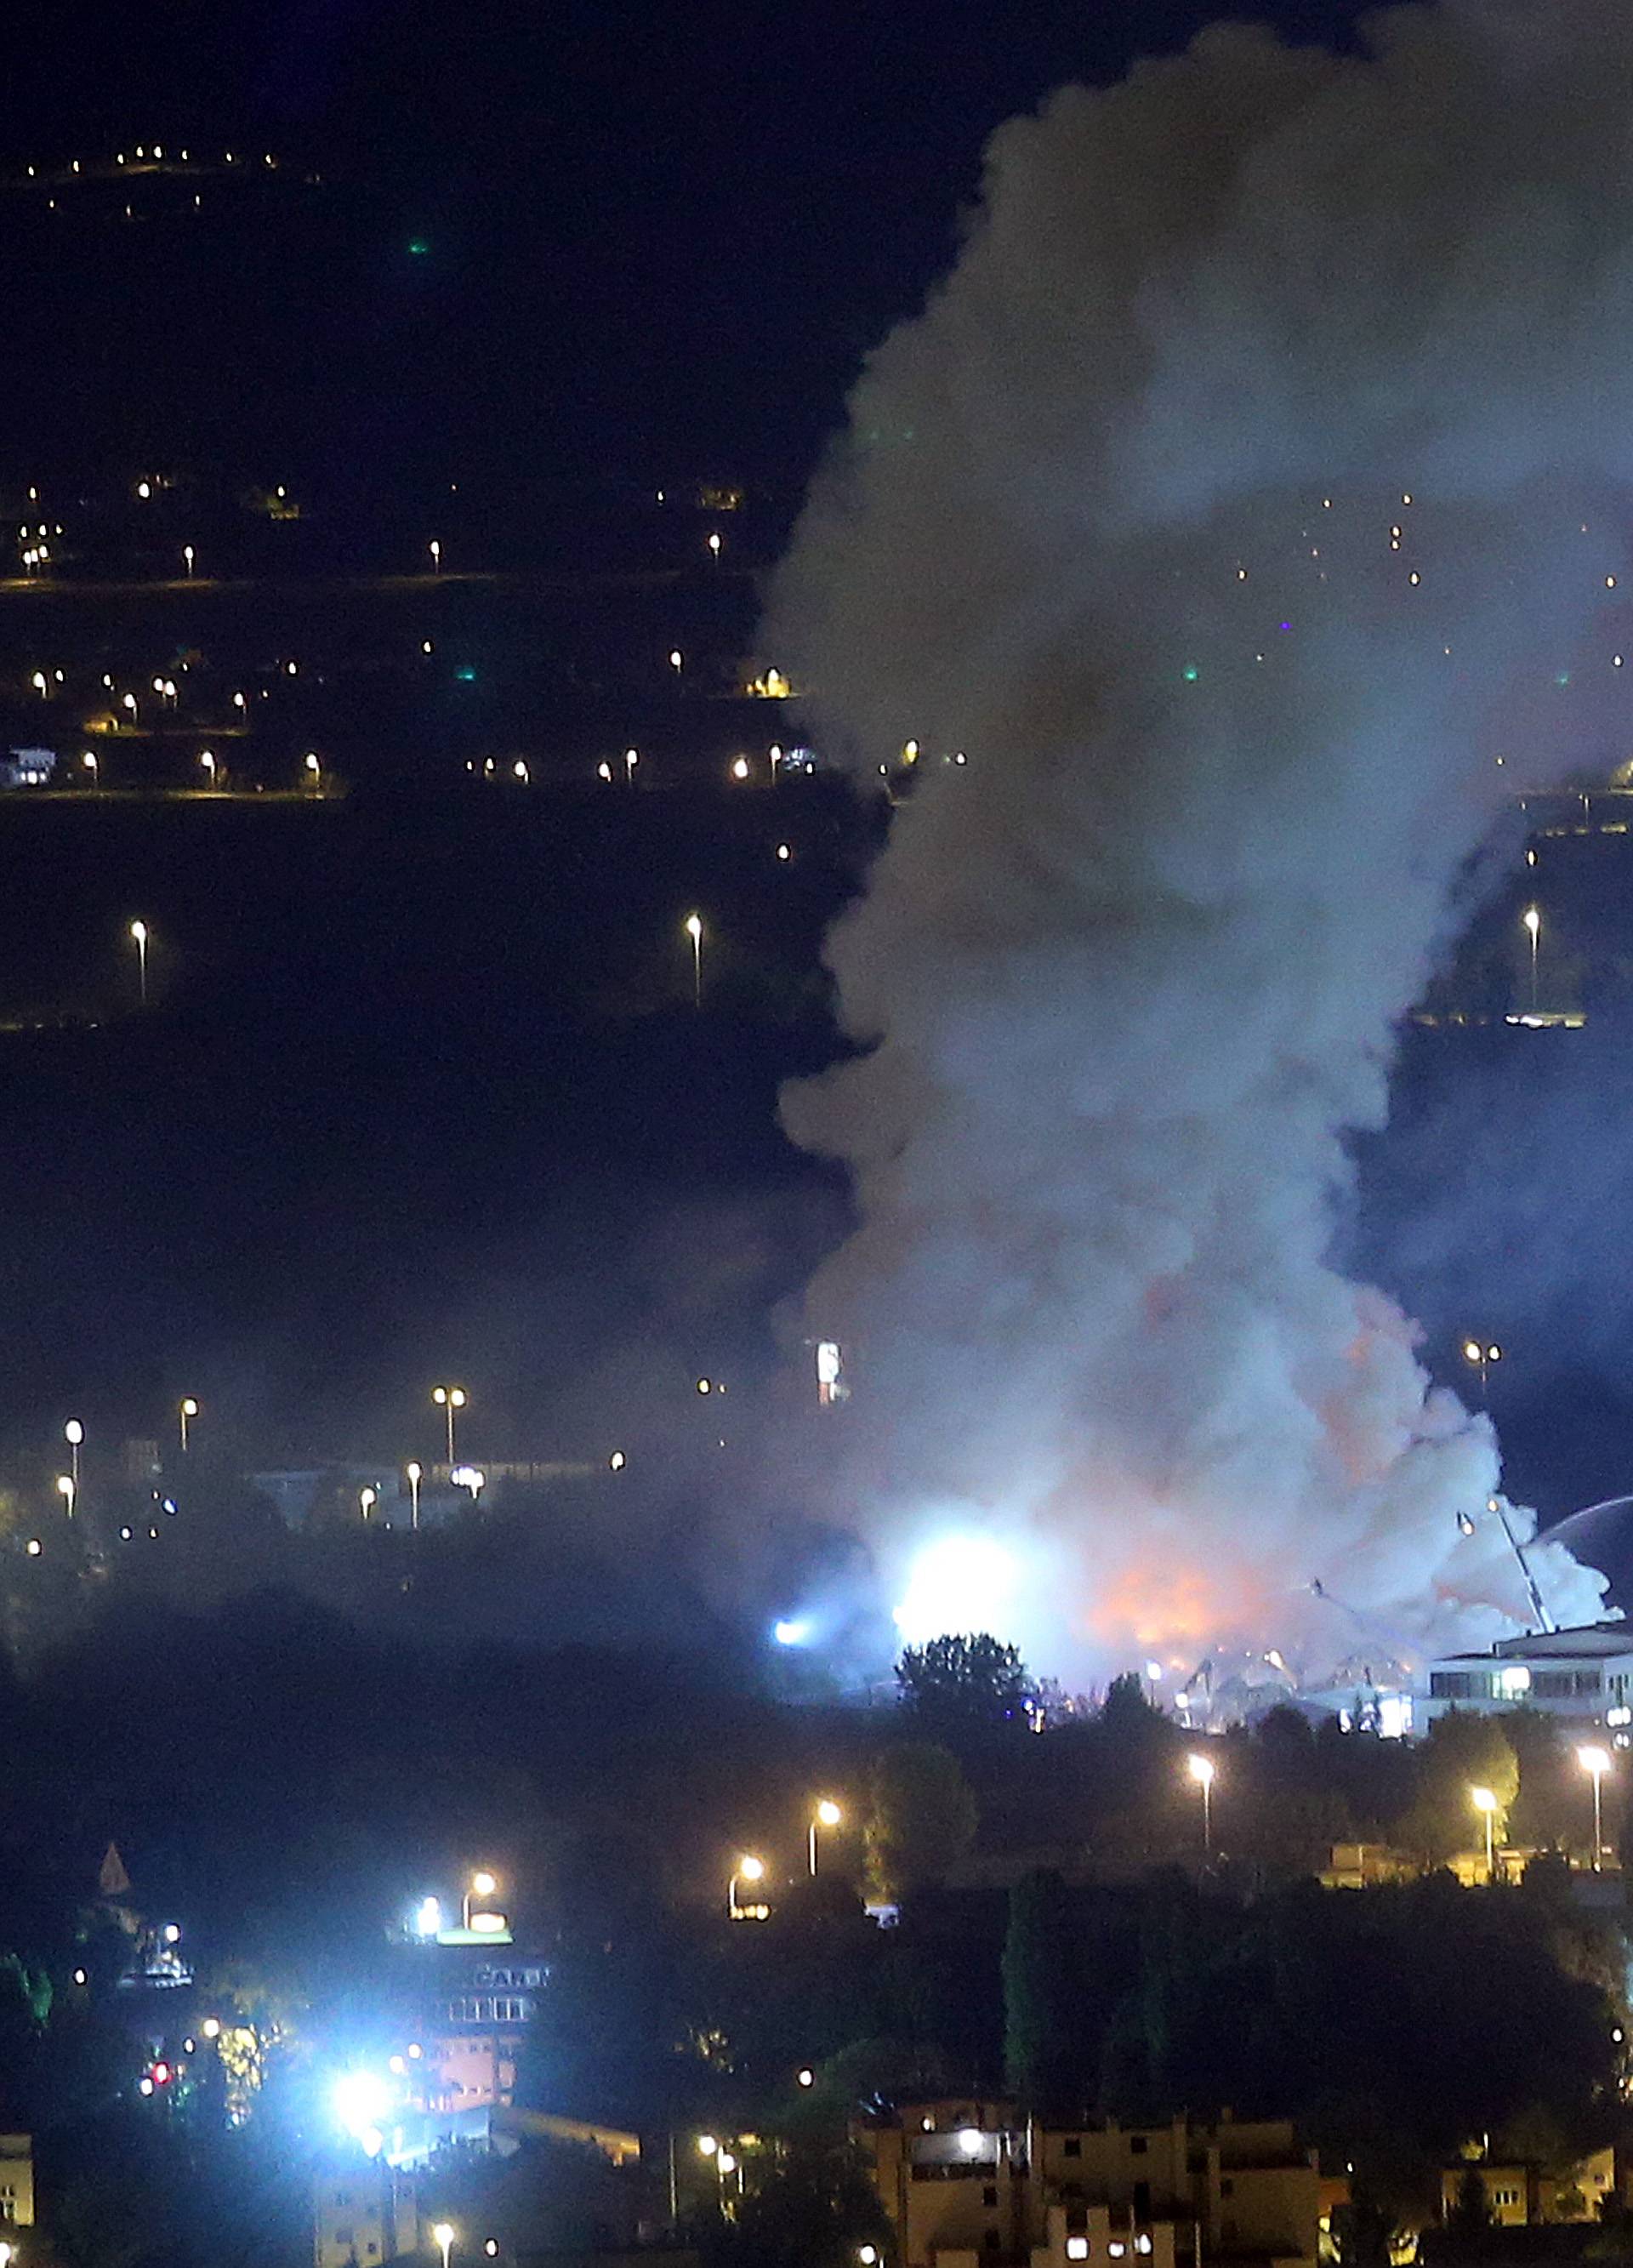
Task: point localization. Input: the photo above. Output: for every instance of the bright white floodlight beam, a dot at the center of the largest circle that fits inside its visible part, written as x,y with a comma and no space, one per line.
792,1633
361,2099
957,1585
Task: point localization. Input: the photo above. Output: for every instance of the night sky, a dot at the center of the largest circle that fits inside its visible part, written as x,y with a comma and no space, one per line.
657,233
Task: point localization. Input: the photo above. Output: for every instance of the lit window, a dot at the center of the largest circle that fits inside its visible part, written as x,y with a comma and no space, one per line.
1076,2248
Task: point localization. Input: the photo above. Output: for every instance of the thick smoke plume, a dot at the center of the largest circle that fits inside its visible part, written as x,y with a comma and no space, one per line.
1249,509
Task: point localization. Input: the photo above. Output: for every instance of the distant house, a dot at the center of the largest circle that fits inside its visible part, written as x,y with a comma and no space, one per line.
27,766
1518,2195
364,2215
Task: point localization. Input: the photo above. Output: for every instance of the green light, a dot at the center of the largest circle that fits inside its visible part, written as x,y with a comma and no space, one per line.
466,675
419,246
1191,673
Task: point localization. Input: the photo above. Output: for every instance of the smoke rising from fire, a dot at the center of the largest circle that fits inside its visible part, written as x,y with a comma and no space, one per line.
1249,507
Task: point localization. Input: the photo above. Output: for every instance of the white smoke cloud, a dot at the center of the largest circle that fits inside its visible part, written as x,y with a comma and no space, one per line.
1257,479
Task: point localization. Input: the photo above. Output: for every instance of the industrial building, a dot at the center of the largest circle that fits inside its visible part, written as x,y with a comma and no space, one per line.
1581,1676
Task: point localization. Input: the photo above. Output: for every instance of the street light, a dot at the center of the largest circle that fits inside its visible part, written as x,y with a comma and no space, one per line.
448,1399
186,1412
1531,921
1201,1769
367,1499
315,770
485,1883
435,549
827,1814
747,1869
443,2233
207,758
138,937
74,1434
1479,1354
129,702
68,1489
695,931
186,553
1485,1803
1596,1762
416,1474
632,758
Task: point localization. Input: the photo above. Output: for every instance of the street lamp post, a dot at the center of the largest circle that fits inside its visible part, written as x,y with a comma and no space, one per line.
68,1489
416,1474
186,1412
435,549
747,1869
1480,1354
1532,920
448,1399
826,1813
186,553
138,937
483,1884
695,931
74,1434
90,765
1595,1761
443,2233
1485,1803
1201,1769
367,1499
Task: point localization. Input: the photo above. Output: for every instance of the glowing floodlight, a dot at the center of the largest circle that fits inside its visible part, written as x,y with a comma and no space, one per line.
360,2099
958,1584
792,1633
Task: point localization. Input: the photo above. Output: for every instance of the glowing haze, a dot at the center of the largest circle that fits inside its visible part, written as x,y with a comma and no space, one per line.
1258,479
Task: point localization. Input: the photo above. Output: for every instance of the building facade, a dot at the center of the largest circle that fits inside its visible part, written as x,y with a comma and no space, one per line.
364,2212
1582,1676
1520,2195
16,2181
970,2185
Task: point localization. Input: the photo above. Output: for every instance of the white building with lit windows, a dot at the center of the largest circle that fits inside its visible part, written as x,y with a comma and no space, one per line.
1584,1677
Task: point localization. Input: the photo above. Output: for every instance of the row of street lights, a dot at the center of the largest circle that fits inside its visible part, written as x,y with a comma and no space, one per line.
751,1869
1594,1761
